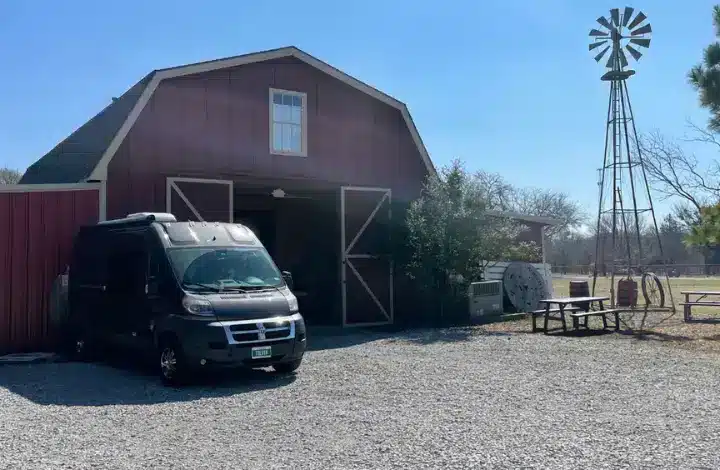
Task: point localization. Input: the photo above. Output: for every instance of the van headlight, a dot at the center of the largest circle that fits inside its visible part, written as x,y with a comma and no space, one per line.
292,303
197,306
291,300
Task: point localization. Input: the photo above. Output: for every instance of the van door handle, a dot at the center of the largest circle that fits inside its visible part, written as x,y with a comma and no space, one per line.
93,286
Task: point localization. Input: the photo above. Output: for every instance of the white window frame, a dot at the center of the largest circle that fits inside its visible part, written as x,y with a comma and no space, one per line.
303,124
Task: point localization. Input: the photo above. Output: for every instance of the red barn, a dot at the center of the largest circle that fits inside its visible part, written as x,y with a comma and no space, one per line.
311,158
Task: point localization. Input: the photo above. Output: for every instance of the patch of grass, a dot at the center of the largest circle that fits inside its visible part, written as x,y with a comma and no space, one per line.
561,288
702,334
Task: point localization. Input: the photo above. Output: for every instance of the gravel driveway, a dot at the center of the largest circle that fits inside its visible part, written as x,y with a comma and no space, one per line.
411,401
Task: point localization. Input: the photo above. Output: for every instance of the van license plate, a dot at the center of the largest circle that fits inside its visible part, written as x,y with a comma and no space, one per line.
262,352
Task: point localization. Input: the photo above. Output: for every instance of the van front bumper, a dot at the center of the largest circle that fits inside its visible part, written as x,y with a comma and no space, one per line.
230,344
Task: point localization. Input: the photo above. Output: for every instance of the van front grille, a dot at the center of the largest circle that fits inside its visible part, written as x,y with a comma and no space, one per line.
256,331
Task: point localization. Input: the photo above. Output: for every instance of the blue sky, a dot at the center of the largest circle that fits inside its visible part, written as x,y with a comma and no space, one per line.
507,86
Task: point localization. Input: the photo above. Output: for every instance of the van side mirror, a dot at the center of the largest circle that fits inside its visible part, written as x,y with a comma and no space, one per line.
288,279
151,287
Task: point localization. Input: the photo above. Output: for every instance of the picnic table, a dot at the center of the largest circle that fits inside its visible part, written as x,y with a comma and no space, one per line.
578,308
698,302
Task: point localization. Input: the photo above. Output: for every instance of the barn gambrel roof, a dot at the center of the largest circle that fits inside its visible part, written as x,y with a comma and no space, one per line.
87,152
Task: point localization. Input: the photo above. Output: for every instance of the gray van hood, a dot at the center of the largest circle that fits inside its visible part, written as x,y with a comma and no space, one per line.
250,306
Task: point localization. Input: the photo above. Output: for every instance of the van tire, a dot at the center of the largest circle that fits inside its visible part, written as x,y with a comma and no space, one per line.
287,367
172,365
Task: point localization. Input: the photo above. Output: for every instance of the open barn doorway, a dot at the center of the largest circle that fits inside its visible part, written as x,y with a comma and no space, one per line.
299,227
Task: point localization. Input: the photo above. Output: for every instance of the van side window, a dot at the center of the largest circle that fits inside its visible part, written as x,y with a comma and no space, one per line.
89,264
127,265
154,268
157,268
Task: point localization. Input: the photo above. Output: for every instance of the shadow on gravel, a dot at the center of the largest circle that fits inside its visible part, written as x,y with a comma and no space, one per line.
582,333
659,336
445,335
323,338
704,321
321,343
116,383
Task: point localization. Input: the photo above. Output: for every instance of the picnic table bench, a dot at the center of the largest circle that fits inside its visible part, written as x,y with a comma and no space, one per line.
570,305
698,302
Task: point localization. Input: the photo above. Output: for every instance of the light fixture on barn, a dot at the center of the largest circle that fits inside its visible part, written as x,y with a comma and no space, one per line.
280,193
623,177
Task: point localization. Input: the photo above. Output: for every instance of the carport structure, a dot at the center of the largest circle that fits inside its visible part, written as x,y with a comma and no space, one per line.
318,163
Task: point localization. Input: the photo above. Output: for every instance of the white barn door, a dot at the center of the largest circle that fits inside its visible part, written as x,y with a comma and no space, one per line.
365,253
200,200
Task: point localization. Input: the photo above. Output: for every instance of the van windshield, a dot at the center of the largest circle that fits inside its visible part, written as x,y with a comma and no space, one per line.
224,268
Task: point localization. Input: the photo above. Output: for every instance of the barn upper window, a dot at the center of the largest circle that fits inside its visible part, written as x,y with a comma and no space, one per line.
288,122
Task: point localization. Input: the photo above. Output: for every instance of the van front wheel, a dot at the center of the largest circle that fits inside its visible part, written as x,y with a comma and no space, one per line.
173,368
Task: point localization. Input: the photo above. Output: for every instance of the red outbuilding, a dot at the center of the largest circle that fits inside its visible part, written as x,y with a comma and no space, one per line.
311,158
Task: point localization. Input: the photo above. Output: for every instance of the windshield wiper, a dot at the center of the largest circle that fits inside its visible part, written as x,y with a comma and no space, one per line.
198,285
265,288
233,289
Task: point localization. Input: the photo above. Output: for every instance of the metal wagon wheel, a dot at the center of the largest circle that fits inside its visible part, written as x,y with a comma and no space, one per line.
653,290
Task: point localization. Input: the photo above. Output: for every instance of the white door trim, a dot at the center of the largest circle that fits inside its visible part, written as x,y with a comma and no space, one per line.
101,187
171,185
35,188
346,256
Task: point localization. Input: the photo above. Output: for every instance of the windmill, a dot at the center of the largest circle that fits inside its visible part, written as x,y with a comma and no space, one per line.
625,199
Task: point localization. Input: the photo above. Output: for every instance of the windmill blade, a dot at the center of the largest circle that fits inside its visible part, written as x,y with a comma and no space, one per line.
627,14
642,30
595,45
604,22
596,33
623,59
638,19
620,56
611,60
633,52
601,54
615,15
641,42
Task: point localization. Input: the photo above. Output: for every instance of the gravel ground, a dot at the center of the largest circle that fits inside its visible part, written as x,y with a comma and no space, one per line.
418,400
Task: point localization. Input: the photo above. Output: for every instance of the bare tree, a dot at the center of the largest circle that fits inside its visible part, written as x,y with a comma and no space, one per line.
548,203
9,176
495,190
501,195
673,173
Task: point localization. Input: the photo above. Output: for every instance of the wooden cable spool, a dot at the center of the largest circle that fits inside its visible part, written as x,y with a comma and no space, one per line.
524,286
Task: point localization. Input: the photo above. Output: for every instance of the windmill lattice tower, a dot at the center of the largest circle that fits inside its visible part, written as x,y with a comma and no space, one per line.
625,201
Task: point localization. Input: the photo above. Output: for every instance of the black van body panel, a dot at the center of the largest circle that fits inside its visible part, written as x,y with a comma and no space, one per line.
154,312
211,344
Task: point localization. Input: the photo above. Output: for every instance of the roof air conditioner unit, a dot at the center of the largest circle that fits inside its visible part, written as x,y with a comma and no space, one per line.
486,298
156,216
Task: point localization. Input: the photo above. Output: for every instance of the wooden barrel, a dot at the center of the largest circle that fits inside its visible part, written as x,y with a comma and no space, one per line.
627,293
580,289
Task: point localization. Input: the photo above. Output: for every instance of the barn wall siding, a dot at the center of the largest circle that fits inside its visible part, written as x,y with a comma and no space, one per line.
216,125
35,245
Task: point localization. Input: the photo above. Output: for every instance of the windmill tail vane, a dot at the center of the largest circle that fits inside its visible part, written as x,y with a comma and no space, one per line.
618,35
